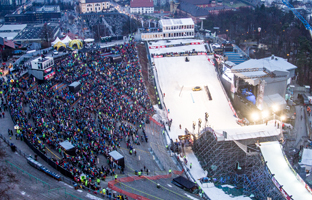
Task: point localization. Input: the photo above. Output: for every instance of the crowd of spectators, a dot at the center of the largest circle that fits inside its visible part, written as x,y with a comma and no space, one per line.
110,108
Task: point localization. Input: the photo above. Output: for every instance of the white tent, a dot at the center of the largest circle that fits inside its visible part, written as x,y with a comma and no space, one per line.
55,41
89,40
66,40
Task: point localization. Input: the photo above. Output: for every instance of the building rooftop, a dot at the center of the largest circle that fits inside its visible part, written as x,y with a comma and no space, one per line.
8,35
10,31
197,2
48,8
254,70
96,1
141,3
180,21
272,63
12,28
193,10
35,32
217,8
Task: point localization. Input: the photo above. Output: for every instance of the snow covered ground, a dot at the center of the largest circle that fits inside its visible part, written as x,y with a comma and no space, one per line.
272,153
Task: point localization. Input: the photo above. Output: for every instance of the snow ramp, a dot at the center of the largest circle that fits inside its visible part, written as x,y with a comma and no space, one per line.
286,181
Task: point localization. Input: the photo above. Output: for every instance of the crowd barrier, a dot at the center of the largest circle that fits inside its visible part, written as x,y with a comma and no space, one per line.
228,99
175,45
8,142
48,160
176,54
158,90
276,183
156,122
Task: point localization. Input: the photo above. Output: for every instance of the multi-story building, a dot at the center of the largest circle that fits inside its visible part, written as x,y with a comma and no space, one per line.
171,29
141,6
42,14
87,6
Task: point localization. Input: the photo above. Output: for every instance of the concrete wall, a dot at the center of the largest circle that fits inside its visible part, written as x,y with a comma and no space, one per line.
275,85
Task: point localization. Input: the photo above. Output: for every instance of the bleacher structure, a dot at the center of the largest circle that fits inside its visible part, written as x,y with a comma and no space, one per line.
238,163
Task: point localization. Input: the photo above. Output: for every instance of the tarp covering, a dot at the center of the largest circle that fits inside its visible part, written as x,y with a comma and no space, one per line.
115,155
67,145
182,182
306,157
118,158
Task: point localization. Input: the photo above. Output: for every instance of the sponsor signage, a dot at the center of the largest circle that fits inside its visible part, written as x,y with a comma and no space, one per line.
48,70
49,76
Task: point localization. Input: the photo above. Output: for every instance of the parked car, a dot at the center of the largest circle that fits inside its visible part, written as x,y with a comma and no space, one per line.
197,88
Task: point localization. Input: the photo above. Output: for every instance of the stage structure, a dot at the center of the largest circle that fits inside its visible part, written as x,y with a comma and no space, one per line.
236,162
257,85
170,29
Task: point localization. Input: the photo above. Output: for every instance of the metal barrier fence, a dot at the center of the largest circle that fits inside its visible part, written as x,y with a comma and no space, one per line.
9,143
48,160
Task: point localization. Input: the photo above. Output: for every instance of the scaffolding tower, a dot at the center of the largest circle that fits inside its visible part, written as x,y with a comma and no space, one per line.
238,163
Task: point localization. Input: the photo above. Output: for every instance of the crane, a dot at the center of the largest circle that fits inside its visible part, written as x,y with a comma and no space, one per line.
302,19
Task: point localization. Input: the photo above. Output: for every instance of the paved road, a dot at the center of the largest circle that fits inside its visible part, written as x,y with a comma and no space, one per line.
300,127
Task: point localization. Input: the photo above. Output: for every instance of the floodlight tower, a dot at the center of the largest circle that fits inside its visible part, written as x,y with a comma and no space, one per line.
202,23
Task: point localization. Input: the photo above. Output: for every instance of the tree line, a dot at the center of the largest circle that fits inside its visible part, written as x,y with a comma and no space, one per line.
283,33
